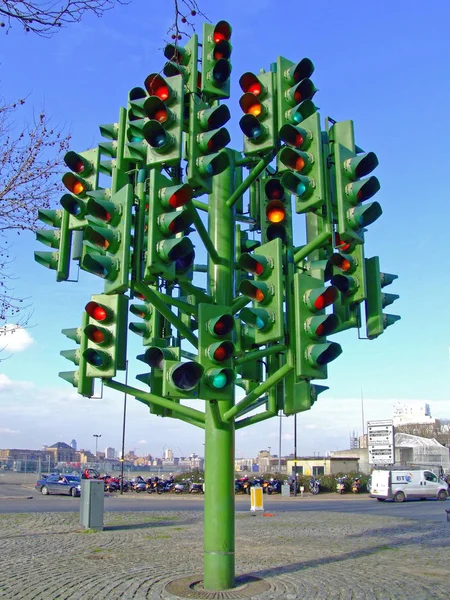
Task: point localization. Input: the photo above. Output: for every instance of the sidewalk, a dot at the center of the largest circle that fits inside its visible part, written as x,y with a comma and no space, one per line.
310,555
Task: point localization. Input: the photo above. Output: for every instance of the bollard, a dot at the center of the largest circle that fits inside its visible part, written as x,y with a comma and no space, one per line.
256,499
92,504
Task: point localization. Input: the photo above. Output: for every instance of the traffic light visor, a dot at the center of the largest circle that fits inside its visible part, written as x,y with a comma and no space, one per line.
78,164
222,31
186,376
303,69
158,86
251,84
293,136
98,312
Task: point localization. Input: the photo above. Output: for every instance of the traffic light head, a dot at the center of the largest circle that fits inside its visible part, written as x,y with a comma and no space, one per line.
59,239
216,53
312,324
295,91
276,220
207,141
105,334
82,179
216,352
107,239
259,121
265,290
353,187
168,253
377,300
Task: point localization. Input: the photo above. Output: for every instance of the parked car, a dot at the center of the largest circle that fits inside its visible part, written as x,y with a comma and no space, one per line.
59,484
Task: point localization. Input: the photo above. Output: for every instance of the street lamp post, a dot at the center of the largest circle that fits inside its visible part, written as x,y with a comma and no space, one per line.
96,435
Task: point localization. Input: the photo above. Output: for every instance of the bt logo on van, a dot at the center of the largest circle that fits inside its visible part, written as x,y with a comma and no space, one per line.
406,477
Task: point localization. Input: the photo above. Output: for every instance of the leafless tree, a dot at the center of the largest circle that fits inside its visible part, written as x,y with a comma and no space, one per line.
44,18
30,160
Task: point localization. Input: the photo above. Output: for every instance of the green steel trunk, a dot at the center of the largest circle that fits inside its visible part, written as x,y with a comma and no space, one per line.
219,437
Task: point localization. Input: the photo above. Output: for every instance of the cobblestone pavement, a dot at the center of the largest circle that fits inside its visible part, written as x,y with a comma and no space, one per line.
313,555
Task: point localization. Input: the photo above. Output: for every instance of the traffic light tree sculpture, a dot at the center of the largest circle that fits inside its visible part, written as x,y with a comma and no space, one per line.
163,186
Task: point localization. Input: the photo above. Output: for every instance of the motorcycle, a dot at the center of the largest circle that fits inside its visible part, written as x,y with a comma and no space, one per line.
356,485
181,487
314,485
274,487
196,487
138,484
340,485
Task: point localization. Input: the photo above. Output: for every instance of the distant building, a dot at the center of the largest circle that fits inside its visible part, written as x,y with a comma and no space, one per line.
62,452
110,453
322,465
73,444
412,412
354,440
168,454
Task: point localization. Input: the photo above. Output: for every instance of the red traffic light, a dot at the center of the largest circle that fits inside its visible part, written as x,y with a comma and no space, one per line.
222,32
326,298
158,86
222,325
176,195
222,351
97,311
250,83
341,244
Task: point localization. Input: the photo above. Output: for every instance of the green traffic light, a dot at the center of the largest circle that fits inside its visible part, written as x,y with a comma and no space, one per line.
259,318
219,378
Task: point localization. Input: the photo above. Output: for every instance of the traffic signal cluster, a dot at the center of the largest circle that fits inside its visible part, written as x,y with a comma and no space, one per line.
130,206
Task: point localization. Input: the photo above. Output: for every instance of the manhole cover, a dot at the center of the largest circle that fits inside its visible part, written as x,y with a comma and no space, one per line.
245,586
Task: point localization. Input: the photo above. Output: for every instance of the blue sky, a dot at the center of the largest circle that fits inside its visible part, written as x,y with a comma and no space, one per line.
383,65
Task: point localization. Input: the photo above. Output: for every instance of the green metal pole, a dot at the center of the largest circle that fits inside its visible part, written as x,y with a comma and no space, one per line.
219,436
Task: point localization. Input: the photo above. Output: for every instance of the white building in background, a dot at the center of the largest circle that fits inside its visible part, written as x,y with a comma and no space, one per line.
168,454
412,412
73,444
110,453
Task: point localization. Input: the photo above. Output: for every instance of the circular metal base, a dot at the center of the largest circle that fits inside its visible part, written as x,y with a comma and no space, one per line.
245,586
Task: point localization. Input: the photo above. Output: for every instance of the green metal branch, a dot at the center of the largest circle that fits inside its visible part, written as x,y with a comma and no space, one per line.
151,297
254,355
257,392
268,414
200,205
190,288
184,306
203,233
251,177
316,243
239,303
148,398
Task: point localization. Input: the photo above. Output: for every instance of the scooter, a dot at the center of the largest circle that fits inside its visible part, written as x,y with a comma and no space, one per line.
340,486
314,485
356,485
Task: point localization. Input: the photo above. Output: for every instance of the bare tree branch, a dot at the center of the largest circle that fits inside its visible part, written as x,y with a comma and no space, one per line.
30,161
184,11
44,18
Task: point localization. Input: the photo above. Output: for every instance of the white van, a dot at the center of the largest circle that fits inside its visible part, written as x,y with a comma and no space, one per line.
400,485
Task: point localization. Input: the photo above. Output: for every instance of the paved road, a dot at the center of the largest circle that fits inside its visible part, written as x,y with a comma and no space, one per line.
18,499
308,554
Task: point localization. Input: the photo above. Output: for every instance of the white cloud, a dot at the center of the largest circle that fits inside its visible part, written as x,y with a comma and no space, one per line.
6,430
14,338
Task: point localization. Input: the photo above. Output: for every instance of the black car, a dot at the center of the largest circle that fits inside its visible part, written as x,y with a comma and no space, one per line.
59,484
